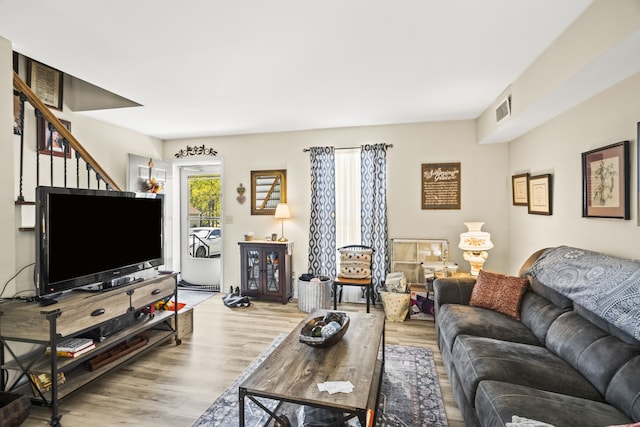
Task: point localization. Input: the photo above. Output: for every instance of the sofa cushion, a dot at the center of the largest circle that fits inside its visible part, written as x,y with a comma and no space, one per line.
555,297
477,359
538,314
624,389
496,402
454,320
499,292
587,348
605,326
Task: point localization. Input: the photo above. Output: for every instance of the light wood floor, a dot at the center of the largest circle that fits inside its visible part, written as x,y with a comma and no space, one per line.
174,385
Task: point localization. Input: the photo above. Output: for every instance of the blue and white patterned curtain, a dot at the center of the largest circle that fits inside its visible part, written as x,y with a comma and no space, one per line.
322,230
374,207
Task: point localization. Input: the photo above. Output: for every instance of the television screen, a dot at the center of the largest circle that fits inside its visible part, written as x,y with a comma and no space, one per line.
87,237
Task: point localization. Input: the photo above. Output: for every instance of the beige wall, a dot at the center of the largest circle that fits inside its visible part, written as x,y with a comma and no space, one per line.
599,49
485,189
556,148
7,209
108,144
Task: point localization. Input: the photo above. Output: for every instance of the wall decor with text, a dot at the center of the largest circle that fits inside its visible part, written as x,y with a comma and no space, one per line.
440,185
540,195
46,83
520,189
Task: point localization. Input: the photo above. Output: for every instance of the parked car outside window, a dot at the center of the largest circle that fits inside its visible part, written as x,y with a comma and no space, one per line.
205,242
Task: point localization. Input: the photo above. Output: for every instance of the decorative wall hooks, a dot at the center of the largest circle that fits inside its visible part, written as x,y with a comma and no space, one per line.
196,151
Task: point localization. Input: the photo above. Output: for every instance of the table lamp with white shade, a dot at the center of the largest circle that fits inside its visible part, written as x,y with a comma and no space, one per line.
475,243
282,213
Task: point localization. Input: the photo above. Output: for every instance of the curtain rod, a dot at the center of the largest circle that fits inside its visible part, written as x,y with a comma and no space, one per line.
304,150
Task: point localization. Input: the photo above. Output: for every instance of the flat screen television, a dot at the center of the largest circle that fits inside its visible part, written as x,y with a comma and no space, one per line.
86,237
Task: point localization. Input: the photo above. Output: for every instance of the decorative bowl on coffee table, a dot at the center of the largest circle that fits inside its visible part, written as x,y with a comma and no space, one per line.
309,332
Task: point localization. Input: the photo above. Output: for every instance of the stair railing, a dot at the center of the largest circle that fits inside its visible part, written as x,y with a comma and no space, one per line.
26,94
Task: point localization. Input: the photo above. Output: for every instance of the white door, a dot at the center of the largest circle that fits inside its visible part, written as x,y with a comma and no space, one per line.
201,234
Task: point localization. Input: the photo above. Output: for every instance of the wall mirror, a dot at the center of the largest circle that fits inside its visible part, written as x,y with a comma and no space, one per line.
268,188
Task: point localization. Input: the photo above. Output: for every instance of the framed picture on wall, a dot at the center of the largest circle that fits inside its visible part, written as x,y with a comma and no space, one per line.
540,195
605,182
46,83
17,114
520,189
50,140
440,185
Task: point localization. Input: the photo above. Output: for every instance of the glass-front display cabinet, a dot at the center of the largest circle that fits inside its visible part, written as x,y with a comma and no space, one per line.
418,258
266,270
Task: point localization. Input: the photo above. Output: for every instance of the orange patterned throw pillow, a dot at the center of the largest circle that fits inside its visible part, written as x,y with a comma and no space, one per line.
499,292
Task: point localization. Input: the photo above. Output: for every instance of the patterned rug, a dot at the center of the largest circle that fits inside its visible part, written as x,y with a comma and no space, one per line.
410,394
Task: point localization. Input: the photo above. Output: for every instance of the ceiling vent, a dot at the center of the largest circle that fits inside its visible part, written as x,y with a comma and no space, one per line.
504,109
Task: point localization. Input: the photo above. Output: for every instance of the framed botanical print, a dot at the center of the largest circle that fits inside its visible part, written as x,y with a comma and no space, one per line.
605,182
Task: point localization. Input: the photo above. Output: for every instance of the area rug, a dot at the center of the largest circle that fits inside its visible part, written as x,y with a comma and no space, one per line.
410,394
193,297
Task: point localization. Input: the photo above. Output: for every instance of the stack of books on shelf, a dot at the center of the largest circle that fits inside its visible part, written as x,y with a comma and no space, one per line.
42,381
73,347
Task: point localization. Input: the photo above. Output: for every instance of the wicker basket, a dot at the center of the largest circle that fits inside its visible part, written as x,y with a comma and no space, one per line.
14,409
396,305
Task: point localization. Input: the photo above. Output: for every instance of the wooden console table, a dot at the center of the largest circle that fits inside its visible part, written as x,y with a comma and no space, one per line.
122,314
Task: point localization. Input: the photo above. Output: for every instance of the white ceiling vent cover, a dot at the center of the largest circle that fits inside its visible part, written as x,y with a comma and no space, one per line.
504,109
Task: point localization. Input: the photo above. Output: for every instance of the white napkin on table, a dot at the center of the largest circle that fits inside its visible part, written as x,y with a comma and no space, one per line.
336,387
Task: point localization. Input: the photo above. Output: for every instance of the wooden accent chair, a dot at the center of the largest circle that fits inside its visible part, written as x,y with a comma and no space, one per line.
356,264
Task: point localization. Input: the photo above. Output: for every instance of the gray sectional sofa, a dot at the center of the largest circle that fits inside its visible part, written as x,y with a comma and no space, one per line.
573,358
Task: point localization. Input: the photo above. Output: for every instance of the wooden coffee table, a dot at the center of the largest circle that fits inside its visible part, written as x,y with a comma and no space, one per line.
293,370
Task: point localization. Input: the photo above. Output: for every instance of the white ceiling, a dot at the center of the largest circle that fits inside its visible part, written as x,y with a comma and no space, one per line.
213,67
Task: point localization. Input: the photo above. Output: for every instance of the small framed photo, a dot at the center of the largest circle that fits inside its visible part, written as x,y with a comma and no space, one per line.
46,83
520,189
540,195
18,106
605,182
50,140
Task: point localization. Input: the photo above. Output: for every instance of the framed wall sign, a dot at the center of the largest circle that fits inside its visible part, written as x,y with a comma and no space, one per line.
46,83
49,140
605,182
520,189
440,185
540,196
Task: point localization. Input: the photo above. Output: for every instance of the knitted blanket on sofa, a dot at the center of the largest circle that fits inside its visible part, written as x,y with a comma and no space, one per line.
605,285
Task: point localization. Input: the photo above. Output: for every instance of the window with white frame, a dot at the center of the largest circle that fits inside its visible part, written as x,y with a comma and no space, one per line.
348,203
347,197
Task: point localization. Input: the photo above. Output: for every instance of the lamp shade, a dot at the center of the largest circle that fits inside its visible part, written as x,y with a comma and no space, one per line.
282,211
475,239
